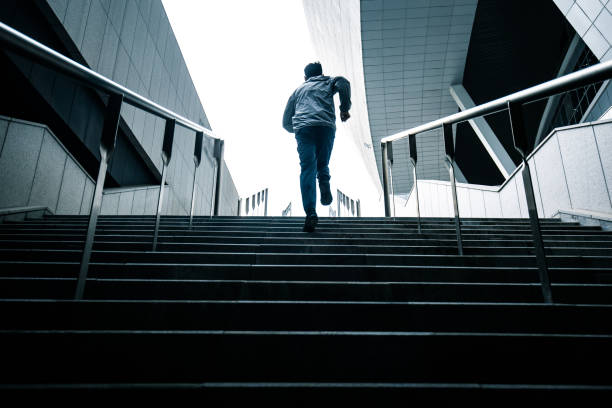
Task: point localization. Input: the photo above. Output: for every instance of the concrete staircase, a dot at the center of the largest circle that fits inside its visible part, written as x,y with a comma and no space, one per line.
363,310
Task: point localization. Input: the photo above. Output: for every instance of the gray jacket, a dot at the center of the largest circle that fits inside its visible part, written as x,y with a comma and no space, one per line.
312,103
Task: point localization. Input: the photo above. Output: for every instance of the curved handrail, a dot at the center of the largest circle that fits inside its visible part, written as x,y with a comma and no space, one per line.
23,44
514,104
594,73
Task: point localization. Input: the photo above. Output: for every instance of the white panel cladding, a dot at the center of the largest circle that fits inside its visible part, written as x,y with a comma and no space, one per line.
492,204
509,200
551,177
581,162
536,187
110,204
125,202
592,20
477,205
151,201
443,202
591,8
520,191
32,159
603,136
138,206
589,149
463,199
18,161
49,174
138,200
87,197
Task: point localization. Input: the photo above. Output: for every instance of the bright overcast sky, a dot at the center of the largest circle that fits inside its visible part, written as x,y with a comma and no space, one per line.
245,58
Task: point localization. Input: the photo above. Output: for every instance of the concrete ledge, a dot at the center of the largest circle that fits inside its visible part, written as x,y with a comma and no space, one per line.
23,213
584,217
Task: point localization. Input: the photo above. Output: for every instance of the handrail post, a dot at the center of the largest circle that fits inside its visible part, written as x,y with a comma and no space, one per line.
338,201
212,190
197,157
266,203
390,160
386,178
219,147
521,145
166,156
449,147
413,160
239,210
359,208
107,146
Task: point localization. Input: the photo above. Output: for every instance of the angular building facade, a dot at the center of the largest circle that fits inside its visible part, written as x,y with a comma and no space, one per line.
51,125
422,60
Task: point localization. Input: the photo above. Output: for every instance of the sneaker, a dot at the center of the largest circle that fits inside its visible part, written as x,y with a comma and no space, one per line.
326,195
311,222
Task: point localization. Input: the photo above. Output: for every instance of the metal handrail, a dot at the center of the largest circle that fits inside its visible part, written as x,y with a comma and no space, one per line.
118,94
23,44
586,76
514,104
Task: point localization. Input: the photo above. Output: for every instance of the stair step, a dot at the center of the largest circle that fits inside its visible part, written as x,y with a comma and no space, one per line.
305,316
321,228
374,273
361,310
301,259
166,289
490,248
38,357
305,239
312,393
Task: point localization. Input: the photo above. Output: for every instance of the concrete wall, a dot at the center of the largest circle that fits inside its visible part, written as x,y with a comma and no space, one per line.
141,200
36,170
132,43
570,170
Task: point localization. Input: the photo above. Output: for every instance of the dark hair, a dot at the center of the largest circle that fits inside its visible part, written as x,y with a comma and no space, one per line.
313,69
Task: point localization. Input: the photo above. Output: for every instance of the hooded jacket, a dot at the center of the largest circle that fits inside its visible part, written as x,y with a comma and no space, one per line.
312,103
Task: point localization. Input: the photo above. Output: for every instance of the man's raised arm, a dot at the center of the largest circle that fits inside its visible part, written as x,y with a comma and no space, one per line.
288,114
343,87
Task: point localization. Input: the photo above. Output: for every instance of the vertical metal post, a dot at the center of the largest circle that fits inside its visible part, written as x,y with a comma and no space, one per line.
212,191
521,144
219,147
359,208
266,203
166,156
449,147
197,157
390,158
386,178
413,160
338,201
239,207
107,146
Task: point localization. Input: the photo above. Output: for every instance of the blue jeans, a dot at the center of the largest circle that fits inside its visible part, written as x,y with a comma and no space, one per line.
314,145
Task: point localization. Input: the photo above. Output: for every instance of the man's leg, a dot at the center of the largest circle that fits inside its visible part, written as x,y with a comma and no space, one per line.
325,144
306,148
